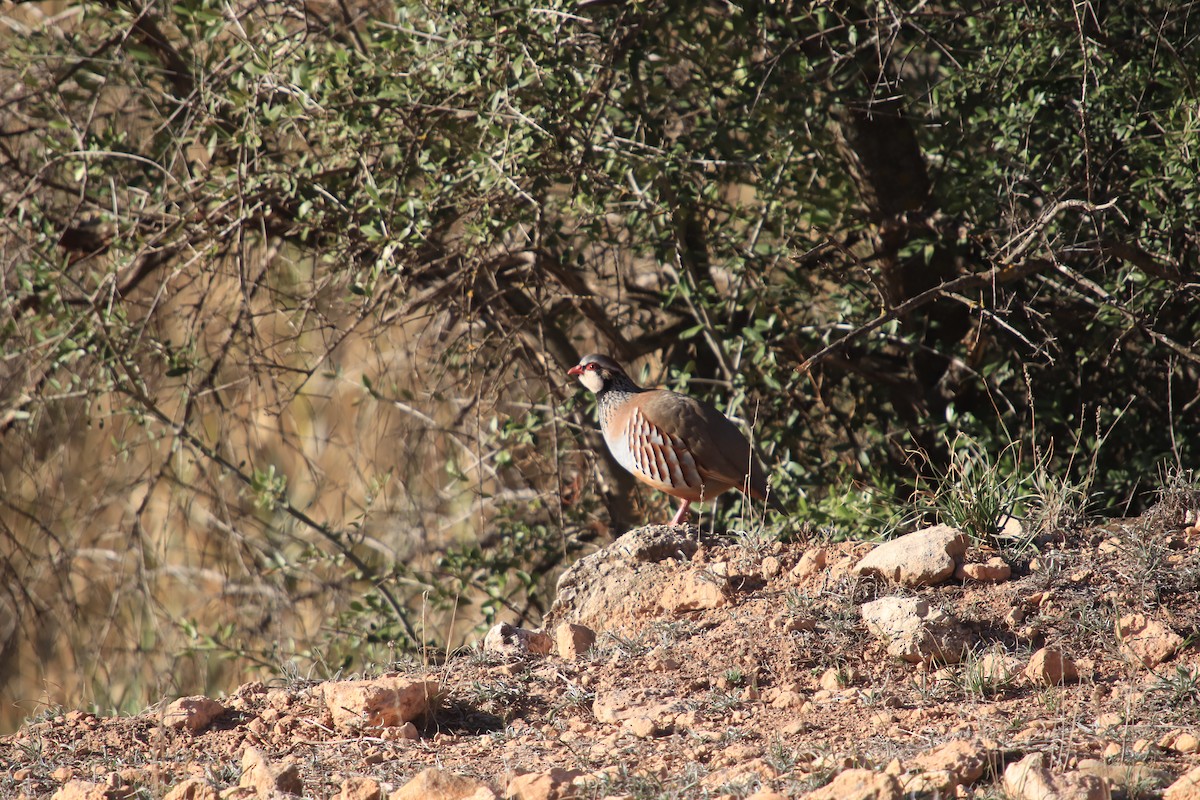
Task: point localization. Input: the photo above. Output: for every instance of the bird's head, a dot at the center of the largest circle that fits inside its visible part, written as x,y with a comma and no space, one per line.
597,373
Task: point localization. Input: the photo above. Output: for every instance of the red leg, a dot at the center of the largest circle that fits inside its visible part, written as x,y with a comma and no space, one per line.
682,514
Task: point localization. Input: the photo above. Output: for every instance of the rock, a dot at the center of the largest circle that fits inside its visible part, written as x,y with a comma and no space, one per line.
1132,779
1186,788
573,640
436,784
693,590
832,679
509,640
379,702
745,772
916,632
859,784
192,713
963,761
1050,667
935,783
770,568
998,669
620,588
266,778
1029,779
644,727
81,790
994,570
786,698
557,784
360,788
812,562
660,709
1186,743
407,731
922,558
192,789
1146,641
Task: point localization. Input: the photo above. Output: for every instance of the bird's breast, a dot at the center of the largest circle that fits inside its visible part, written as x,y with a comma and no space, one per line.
653,455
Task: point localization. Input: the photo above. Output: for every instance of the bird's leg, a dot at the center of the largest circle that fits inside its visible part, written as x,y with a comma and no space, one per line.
681,514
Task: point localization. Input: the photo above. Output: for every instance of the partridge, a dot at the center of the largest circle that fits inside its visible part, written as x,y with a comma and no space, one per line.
677,444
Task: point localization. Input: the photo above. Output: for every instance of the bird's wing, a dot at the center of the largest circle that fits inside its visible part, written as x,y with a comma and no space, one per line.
720,451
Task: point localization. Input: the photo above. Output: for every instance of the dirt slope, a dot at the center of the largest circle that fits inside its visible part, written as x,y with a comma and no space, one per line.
725,667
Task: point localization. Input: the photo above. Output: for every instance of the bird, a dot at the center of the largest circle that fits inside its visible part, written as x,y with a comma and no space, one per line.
675,443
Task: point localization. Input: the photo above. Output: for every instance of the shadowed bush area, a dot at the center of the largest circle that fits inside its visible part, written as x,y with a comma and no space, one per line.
289,292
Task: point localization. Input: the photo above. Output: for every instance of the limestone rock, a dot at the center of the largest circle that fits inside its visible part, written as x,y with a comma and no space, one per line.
557,784
1186,788
192,789
832,679
1050,667
693,590
999,669
1185,742
754,771
963,761
192,713
922,558
267,778
509,640
994,570
573,640
1146,641
621,587
378,702
1030,779
859,784
1125,776
81,790
645,711
915,631
934,782
812,562
359,788
436,784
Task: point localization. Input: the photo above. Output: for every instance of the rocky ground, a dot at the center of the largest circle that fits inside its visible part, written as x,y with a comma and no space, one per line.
730,667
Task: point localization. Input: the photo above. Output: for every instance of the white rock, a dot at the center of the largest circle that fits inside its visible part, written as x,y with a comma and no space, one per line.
1145,641
436,784
1050,667
573,640
915,631
922,558
812,562
378,703
1186,788
510,640
1029,779
859,784
965,761
193,713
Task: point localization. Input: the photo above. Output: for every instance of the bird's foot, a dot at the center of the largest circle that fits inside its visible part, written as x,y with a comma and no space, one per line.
681,515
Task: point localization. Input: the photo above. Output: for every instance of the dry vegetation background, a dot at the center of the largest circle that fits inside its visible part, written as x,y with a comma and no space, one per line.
289,291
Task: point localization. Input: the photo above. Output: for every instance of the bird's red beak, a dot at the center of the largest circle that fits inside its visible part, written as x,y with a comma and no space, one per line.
575,370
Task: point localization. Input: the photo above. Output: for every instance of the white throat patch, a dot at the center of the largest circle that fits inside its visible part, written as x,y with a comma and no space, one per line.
591,379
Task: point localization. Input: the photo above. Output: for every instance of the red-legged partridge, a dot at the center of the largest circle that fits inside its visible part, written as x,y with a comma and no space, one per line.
675,443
